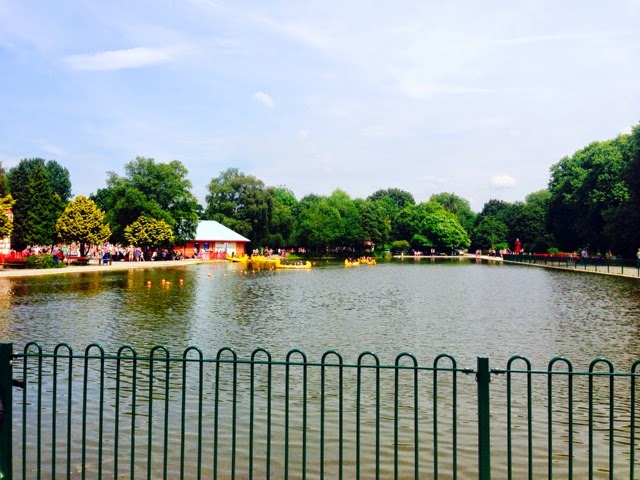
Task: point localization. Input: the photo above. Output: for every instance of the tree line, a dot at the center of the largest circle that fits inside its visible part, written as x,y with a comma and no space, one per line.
592,201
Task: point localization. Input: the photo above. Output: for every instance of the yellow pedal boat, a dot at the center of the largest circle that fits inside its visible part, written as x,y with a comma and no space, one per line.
304,266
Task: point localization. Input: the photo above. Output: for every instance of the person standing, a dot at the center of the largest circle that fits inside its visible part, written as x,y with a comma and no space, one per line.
638,256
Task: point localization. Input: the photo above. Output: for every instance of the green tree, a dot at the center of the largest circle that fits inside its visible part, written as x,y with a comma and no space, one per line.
586,191
460,207
282,218
149,232
158,190
319,224
4,183
60,181
6,226
429,224
351,232
37,204
393,200
242,203
489,232
529,223
82,222
374,221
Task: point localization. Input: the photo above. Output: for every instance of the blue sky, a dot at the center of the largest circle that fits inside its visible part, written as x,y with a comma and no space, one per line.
475,98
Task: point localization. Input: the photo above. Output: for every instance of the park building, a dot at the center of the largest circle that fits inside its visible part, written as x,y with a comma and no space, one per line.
213,241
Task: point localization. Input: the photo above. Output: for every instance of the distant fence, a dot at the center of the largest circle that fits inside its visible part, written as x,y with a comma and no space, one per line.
617,265
124,415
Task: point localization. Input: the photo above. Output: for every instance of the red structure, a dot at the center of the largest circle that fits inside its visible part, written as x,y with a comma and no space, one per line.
214,241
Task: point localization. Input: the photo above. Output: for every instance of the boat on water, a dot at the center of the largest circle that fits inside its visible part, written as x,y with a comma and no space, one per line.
351,263
302,266
243,258
367,261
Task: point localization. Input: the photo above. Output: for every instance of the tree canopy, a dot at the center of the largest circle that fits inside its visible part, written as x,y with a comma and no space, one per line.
39,200
242,203
157,190
6,226
82,222
149,232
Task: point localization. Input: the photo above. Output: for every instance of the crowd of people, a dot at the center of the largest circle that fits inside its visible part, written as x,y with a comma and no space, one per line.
105,253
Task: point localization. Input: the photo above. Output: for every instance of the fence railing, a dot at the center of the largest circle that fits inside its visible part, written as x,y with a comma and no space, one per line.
125,415
614,265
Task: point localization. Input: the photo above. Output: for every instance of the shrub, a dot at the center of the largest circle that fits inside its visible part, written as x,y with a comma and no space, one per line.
400,246
41,261
552,250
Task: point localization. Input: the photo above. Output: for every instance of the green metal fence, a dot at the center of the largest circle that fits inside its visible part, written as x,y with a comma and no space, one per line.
614,265
92,414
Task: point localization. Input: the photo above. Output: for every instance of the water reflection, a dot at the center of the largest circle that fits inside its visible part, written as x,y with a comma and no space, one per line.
421,307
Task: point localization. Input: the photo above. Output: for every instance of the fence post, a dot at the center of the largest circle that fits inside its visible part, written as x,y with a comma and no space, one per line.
6,405
483,377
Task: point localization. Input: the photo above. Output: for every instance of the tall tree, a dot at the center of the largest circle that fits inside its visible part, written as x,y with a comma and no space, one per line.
374,221
59,179
282,219
158,190
242,203
429,224
4,183
583,188
83,222
38,205
459,206
319,224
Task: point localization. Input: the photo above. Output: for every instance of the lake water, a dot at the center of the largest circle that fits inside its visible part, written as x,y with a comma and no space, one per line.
461,307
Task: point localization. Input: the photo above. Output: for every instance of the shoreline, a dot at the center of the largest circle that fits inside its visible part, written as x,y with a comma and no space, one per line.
92,267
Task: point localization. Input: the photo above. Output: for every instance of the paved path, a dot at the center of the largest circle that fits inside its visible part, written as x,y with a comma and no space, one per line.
95,267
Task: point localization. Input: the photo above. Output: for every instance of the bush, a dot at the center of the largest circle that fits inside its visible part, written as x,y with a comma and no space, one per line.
400,246
41,261
552,250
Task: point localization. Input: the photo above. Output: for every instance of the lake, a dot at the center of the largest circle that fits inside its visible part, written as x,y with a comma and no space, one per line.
423,307
463,307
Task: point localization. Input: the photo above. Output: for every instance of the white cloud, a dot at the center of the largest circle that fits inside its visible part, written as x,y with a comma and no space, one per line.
264,99
303,133
503,181
121,59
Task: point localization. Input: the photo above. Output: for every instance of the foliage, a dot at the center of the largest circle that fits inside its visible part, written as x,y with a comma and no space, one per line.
319,224
419,242
460,207
282,218
552,250
586,191
6,226
149,232
400,246
41,262
59,179
489,232
4,183
392,200
375,224
37,204
82,222
158,190
431,221
242,203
